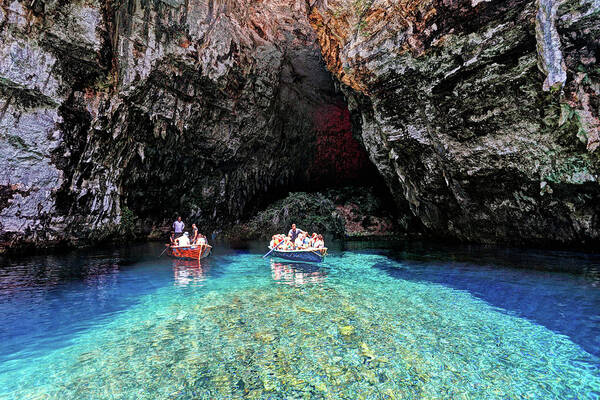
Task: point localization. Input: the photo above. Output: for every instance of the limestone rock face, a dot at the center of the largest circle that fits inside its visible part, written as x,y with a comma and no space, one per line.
484,115
44,58
155,108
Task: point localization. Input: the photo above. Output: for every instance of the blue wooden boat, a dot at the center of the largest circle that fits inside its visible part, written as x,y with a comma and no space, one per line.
304,255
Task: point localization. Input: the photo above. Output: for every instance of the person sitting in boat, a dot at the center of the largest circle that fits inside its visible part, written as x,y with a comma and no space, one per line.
279,239
287,244
306,243
302,241
201,239
274,241
195,236
183,240
299,242
172,238
294,232
319,243
313,239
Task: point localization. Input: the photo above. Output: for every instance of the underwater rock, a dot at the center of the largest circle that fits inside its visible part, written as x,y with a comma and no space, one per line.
265,337
433,351
346,330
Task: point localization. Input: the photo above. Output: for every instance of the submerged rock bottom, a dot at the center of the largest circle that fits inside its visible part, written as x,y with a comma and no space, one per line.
342,331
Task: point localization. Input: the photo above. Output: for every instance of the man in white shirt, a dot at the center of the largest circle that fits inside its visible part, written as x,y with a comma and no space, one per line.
178,227
183,240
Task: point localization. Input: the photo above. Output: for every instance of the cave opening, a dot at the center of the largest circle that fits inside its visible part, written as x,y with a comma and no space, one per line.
339,161
215,191
218,153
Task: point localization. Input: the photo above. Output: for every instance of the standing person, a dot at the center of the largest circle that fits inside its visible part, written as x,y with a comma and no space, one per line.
178,227
195,236
294,232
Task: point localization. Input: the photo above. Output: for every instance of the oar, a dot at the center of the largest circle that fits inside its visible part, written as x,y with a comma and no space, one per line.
318,254
270,251
163,252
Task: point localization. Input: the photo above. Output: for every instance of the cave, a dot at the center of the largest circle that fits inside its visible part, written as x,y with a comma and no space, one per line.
129,112
310,146
424,149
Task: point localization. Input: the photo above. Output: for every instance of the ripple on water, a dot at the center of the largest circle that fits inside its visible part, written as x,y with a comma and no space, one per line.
323,334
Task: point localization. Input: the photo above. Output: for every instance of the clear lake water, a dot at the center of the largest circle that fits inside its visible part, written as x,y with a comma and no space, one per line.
401,320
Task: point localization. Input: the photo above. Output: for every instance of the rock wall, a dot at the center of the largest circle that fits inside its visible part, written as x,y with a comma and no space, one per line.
47,52
483,114
144,109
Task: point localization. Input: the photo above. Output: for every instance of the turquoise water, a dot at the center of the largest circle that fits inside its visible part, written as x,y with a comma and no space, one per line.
369,323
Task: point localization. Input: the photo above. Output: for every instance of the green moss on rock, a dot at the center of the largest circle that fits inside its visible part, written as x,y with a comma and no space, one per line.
348,212
314,212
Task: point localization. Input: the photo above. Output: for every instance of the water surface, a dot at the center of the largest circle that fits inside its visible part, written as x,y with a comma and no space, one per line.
403,322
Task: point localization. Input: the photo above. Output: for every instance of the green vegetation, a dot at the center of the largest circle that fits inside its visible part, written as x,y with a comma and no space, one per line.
314,212
339,212
360,9
128,221
112,231
574,170
361,6
105,83
572,116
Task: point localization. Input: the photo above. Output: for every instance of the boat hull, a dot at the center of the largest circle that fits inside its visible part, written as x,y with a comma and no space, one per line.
315,255
194,252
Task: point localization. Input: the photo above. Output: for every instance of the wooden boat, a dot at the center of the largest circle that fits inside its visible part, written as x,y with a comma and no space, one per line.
305,255
192,252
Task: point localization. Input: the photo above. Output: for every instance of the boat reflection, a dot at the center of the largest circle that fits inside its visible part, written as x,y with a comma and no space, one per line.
296,274
189,272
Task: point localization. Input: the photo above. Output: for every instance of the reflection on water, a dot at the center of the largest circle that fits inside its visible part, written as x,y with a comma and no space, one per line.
296,274
189,272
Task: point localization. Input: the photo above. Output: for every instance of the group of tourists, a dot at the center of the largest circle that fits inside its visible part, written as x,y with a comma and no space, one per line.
180,238
297,239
